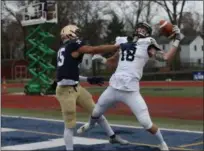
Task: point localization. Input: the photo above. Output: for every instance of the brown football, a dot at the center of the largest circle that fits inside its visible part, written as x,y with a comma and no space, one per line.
166,28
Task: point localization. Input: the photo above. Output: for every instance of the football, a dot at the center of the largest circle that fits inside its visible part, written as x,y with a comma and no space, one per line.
166,28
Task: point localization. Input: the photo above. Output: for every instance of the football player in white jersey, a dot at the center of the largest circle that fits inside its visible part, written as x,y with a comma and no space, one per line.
124,83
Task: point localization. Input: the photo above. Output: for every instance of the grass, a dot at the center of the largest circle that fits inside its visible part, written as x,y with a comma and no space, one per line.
121,119
15,90
114,119
147,91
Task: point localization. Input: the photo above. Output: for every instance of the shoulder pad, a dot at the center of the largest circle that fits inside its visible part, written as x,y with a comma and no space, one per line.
78,41
154,43
120,40
75,44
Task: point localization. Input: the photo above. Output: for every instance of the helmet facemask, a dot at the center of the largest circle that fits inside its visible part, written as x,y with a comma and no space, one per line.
143,30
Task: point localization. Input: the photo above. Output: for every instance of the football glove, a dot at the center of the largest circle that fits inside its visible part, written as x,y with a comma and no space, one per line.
177,32
177,39
96,80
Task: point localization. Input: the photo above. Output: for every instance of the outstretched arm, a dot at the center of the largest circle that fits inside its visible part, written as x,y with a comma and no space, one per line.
98,49
167,56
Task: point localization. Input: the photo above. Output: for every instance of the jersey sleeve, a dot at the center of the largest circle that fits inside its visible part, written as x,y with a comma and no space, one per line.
154,44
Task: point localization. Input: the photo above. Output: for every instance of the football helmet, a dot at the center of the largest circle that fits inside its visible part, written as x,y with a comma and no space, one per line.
143,30
70,32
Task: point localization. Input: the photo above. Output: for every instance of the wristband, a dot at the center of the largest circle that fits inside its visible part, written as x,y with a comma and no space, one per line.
82,78
176,43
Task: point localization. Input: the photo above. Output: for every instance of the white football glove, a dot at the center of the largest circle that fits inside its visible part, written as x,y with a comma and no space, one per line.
99,58
177,32
176,29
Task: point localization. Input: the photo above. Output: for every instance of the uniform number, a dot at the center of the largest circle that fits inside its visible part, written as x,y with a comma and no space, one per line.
130,55
60,57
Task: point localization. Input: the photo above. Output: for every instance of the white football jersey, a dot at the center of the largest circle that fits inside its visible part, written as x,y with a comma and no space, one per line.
132,59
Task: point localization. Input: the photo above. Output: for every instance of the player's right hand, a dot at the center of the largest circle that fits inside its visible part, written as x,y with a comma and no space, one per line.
99,58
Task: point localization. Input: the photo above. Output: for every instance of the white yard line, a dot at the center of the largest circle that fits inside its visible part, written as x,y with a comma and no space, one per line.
8,129
54,143
116,125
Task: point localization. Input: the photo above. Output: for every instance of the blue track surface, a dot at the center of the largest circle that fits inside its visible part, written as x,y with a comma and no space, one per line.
35,130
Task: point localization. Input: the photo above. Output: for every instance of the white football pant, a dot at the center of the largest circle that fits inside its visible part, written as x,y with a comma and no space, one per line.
133,99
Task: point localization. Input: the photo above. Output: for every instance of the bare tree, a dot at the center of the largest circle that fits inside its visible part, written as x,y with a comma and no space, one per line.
191,23
137,11
202,28
172,8
150,12
12,40
86,14
131,15
16,25
14,14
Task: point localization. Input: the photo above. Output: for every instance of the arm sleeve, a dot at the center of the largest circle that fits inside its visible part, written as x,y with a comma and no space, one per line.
82,78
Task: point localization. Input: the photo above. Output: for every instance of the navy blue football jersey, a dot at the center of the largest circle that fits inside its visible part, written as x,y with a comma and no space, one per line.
67,66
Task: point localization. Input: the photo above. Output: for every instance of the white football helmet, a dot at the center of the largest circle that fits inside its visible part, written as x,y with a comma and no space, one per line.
70,32
143,30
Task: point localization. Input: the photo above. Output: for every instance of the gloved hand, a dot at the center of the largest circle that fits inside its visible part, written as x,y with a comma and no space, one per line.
177,32
99,58
96,80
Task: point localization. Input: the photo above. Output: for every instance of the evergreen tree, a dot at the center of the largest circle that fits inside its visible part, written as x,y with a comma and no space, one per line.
114,29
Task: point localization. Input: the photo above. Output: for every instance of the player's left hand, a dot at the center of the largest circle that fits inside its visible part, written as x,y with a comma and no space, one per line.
177,32
96,80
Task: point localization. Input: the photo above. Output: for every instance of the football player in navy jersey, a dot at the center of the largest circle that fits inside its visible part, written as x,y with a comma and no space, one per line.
68,92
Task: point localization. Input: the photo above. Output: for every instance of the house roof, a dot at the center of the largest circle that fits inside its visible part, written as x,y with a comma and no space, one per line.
187,40
162,40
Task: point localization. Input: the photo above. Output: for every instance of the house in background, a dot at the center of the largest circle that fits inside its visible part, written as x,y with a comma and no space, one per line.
191,49
86,62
